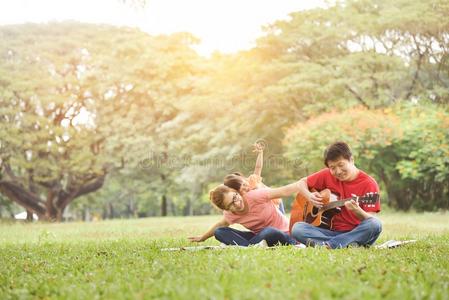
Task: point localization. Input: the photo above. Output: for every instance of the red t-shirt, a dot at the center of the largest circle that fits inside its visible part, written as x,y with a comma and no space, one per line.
361,185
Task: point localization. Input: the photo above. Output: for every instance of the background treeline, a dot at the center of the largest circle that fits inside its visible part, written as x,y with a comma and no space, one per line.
133,125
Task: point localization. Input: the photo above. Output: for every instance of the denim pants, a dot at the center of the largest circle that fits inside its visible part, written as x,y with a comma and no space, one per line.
273,236
365,234
282,208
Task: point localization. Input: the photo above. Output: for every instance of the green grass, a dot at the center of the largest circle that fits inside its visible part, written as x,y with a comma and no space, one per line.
121,259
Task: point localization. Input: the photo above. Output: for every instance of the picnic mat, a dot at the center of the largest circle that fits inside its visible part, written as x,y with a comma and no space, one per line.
393,244
387,245
197,248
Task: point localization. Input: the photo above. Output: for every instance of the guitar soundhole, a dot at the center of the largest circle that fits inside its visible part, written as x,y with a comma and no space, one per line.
309,218
312,215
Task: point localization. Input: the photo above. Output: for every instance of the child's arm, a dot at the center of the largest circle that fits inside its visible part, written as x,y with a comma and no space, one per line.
210,232
259,161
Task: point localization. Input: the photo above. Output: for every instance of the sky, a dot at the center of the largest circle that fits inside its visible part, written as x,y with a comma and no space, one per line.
221,25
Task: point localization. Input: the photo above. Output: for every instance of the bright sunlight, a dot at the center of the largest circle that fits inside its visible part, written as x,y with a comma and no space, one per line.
225,26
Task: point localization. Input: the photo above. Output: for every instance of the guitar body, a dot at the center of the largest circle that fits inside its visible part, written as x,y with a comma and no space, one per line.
304,211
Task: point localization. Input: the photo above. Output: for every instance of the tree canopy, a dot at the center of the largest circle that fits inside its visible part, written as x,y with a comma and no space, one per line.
150,125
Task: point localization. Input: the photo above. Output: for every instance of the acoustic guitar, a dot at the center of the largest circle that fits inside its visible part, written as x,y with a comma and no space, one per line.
304,211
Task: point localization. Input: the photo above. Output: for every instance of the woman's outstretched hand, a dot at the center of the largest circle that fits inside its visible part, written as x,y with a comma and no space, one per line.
196,239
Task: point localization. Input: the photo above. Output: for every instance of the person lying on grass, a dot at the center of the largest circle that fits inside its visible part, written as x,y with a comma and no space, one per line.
243,185
255,211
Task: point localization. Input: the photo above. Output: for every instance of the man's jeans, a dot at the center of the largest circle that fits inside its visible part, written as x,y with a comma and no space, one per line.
273,236
365,234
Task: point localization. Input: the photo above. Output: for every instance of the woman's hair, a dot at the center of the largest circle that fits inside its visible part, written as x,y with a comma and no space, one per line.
216,196
234,181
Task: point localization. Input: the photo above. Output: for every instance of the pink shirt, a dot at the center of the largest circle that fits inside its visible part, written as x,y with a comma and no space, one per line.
262,213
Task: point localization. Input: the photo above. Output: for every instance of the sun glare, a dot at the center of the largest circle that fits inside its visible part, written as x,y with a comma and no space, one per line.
225,26
85,118
221,25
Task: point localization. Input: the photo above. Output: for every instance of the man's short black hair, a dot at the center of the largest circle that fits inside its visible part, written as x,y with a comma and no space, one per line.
336,151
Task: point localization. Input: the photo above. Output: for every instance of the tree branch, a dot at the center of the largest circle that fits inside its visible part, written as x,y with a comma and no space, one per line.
357,96
21,196
91,186
9,172
65,198
418,69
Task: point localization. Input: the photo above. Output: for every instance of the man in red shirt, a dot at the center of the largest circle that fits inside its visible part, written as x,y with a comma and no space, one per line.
355,225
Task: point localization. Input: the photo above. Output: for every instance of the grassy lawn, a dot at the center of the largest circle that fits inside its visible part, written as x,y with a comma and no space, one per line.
121,259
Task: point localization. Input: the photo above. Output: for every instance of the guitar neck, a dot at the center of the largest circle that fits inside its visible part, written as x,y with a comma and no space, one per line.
335,204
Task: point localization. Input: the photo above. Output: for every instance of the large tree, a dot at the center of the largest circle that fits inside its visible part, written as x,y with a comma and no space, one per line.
76,102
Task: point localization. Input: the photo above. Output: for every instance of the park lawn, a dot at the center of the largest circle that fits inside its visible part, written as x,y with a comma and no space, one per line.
122,259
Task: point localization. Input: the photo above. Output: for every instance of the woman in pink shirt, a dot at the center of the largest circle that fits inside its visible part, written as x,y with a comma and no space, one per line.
255,211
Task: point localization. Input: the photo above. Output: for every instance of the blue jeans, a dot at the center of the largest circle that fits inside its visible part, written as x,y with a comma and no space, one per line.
365,234
273,236
281,207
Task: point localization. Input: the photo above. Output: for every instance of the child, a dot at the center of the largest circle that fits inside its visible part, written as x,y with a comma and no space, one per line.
243,185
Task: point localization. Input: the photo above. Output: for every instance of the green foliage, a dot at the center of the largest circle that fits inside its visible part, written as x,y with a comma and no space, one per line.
360,128
78,99
74,100
369,53
423,156
6,208
406,149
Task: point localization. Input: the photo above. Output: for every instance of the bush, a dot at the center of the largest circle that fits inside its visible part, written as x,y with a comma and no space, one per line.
406,148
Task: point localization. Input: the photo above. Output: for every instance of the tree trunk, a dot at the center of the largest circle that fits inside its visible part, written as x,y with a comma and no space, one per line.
59,215
51,213
133,207
173,208
51,208
164,198
86,214
164,206
29,216
188,211
111,210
